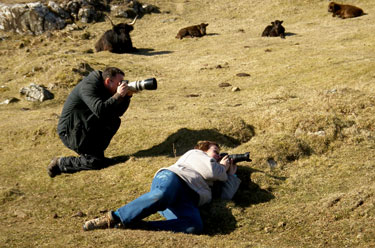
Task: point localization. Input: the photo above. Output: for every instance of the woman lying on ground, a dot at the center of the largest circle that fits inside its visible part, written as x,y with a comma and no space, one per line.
176,193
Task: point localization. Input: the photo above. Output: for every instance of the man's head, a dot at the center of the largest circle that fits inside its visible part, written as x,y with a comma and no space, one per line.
211,148
112,77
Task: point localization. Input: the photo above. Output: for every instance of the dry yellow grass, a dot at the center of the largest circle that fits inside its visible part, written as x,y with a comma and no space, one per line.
308,104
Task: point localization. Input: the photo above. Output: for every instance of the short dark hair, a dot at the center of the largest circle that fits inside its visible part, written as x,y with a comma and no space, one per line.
204,145
111,72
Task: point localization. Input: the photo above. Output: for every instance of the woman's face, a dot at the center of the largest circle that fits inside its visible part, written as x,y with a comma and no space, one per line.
214,152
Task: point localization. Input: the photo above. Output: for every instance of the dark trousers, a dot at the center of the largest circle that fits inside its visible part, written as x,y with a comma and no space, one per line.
91,149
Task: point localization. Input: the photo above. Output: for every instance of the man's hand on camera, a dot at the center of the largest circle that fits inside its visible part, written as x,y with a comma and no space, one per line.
123,89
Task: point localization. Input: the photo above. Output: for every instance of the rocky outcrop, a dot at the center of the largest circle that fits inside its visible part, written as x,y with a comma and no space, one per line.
37,18
33,18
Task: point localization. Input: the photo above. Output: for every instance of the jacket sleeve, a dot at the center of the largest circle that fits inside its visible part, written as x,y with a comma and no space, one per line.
213,171
230,187
122,104
114,106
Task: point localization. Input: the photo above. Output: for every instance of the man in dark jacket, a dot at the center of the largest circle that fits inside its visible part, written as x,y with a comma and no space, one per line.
89,119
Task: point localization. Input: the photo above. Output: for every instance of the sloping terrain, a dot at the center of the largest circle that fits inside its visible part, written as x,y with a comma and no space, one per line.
306,113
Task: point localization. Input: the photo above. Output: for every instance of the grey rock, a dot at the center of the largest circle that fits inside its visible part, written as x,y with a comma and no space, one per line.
88,14
36,92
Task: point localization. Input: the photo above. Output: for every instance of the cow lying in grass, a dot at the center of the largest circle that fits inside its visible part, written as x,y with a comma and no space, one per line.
192,31
117,39
344,11
274,30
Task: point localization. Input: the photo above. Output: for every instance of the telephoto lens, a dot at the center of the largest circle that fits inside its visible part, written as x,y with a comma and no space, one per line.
238,157
147,84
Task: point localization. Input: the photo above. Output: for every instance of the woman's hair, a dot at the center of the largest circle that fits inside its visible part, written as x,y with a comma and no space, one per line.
204,145
111,72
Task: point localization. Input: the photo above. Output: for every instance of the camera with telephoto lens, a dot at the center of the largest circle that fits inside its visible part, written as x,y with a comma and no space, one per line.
147,84
237,157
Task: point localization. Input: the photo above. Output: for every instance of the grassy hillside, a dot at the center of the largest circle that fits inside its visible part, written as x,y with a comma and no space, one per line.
308,105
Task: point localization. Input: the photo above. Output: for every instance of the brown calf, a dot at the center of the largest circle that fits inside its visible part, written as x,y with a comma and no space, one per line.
192,31
344,11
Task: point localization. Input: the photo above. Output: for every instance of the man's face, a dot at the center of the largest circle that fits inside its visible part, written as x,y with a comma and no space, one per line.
214,152
112,83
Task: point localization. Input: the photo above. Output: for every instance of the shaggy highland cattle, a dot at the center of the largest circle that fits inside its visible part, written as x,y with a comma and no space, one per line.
192,31
117,39
344,11
274,30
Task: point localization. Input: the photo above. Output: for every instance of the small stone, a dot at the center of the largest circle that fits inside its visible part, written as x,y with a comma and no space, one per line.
281,224
223,85
193,95
242,74
8,101
20,214
79,214
272,163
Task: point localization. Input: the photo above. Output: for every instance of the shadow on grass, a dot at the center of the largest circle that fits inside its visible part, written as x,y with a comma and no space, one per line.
212,34
290,34
250,193
117,160
218,218
150,52
185,139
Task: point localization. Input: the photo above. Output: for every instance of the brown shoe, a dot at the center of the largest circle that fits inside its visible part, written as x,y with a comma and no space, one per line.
106,221
53,168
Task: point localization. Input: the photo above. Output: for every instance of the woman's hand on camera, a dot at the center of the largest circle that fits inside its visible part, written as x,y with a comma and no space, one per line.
226,162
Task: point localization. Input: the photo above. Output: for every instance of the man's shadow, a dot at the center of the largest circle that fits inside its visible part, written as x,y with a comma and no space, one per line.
178,143
185,139
218,218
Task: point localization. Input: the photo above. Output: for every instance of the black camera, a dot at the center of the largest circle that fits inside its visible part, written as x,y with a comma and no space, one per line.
147,84
238,157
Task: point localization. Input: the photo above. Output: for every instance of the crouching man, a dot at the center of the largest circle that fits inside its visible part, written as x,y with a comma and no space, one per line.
89,119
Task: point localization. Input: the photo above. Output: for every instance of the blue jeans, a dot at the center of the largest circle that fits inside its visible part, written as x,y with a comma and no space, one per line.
174,200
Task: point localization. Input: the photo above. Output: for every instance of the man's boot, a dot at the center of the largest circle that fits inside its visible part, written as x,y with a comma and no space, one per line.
53,168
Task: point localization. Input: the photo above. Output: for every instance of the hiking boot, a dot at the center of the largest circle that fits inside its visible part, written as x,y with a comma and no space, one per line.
53,168
106,221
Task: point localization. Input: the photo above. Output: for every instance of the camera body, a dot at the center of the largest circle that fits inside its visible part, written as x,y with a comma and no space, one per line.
237,157
146,84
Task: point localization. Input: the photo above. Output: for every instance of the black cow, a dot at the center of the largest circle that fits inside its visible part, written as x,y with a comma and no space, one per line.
117,40
274,30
